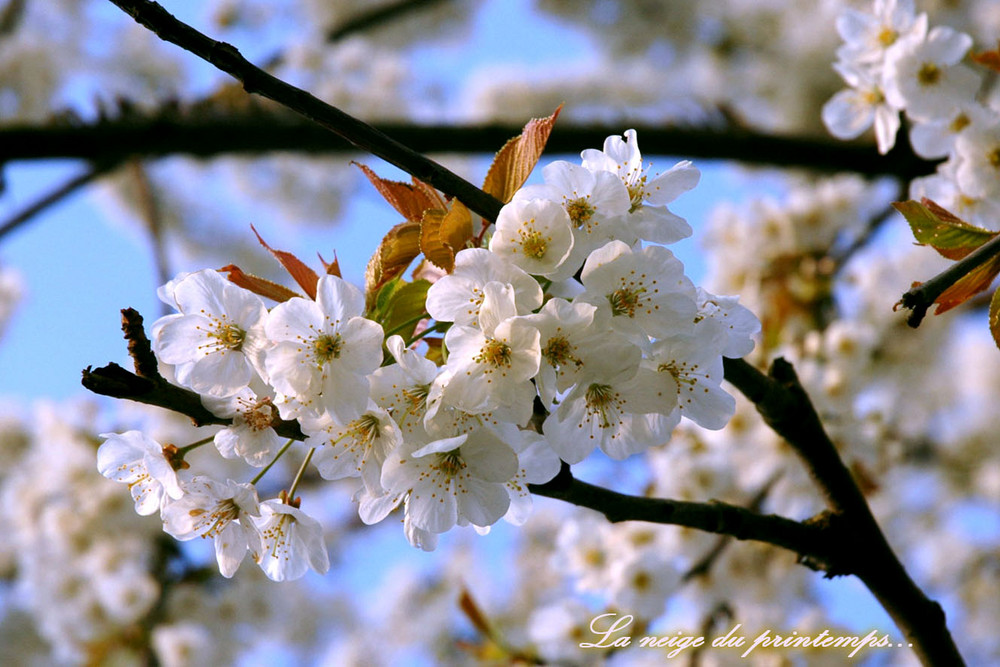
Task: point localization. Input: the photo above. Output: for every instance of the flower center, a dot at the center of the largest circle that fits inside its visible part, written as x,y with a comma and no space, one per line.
961,122
601,400
260,415
366,429
886,36
559,352
580,211
327,347
928,74
230,336
533,244
680,372
624,301
212,523
450,463
416,398
641,581
994,157
494,353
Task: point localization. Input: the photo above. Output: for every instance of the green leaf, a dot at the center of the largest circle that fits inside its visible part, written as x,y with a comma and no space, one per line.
937,227
995,317
406,306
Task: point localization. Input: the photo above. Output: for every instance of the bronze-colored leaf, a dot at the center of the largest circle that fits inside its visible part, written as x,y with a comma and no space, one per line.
333,268
302,274
398,248
411,200
971,284
513,164
444,233
257,285
990,59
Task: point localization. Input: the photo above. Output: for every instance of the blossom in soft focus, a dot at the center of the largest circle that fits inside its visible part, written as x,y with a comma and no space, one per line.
135,459
291,542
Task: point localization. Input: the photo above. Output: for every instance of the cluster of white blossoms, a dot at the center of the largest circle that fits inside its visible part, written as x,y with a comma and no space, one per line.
566,319
893,62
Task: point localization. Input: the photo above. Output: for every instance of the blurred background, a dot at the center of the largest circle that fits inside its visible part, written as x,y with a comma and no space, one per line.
126,160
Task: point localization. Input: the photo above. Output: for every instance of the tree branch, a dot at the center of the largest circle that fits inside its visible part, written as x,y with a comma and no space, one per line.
782,402
147,386
207,132
923,296
15,221
814,544
373,18
255,80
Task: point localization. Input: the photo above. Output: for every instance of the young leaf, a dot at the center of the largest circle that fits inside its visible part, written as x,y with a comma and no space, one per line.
443,233
406,306
514,162
257,285
989,59
303,275
398,248
410,200
939,228
971,284
333,268
995,317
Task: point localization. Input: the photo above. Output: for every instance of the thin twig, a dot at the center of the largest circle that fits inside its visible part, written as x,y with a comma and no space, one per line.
55,196
255,80
152,213
377,17
923,296
814,545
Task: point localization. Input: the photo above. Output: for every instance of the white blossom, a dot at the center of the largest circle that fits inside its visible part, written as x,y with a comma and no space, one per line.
324,349
458,296
135,459
534,234
216,342
291,542
223,512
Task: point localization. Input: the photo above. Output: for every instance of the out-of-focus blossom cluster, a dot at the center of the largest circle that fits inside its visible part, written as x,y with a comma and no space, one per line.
894,61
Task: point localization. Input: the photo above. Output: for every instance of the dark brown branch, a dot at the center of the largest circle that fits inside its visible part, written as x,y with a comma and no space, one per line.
255,80
782,402
206,133
378,16
55,196
702,566
814,545
147,386
923,296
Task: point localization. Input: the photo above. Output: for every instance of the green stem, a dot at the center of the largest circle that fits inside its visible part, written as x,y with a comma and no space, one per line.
194,445
277,456
298,475
428,330
405,325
